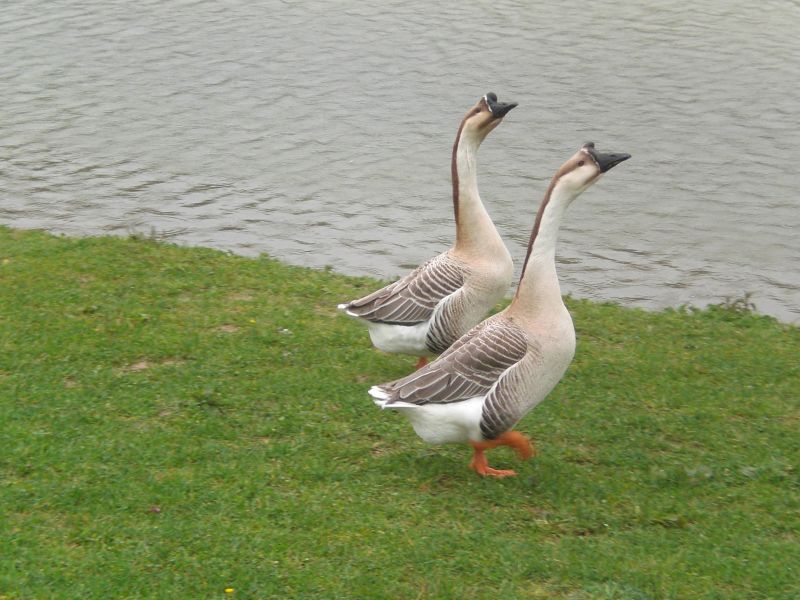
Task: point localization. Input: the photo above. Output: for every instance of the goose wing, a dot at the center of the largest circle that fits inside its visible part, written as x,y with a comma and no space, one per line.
413,298
471,367
509,400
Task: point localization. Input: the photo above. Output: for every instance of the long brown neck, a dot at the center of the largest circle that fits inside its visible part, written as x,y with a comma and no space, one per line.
454,170
474,227
537,224
538,287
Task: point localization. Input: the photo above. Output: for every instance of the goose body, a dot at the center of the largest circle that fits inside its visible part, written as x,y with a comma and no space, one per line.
500,369
423,313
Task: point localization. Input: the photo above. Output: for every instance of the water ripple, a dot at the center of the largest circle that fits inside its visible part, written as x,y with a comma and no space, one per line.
320,133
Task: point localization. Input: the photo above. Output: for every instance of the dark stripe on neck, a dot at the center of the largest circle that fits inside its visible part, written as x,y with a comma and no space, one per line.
536,226
454,162
454,169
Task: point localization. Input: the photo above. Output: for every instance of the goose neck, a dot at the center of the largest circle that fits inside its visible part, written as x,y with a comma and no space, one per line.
539,287
474,227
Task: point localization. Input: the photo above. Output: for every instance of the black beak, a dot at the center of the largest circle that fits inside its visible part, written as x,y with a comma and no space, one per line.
498,109
605,161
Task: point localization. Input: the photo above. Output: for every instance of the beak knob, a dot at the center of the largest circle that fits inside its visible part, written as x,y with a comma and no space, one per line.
605,160
498,109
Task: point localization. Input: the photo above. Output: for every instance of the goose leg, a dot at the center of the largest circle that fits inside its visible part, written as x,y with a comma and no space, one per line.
521,443
480,465
423,360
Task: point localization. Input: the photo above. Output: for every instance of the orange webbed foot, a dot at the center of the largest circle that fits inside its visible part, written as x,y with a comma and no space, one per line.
480,465
519,442
488,471
516,440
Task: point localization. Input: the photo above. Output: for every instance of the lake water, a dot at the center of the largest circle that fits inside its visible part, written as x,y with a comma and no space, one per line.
320,132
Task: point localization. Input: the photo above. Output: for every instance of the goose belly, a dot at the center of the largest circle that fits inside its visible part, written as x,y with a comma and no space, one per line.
446,423
400,339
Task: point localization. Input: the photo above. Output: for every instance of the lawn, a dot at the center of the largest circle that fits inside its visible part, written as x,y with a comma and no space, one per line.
185,423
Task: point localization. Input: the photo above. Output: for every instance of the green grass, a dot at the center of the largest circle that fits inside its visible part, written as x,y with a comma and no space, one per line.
175,422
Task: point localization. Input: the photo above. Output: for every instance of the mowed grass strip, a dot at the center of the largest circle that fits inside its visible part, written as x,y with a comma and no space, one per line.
178,422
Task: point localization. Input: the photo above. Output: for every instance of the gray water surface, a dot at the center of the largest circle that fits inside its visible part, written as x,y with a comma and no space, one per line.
320,132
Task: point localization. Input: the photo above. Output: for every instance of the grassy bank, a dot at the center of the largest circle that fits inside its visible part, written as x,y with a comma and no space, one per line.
175,422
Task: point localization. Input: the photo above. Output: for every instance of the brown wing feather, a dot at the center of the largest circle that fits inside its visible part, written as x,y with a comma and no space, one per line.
506,403
412,299
469,368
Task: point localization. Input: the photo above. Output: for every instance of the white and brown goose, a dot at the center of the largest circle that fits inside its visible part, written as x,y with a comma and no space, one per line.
423,313
487,380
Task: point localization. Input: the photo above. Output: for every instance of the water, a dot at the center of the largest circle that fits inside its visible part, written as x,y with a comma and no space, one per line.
320,132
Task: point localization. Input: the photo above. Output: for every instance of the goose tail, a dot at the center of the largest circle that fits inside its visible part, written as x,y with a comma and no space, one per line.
382,399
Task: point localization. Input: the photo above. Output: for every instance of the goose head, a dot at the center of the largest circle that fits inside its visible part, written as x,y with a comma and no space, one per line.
484,116
585,167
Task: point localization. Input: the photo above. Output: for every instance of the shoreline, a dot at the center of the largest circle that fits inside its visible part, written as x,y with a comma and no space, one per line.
744,300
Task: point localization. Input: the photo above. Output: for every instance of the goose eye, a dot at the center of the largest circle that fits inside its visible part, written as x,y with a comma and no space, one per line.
581,163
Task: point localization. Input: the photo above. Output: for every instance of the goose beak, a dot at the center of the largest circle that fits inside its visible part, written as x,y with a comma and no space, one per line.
498,109
606,161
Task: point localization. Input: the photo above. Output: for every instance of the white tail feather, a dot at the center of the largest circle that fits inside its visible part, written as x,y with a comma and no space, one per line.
377,393
398,405
381,398
343,308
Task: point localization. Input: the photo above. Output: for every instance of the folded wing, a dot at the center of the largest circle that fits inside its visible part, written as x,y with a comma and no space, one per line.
413,298
469,368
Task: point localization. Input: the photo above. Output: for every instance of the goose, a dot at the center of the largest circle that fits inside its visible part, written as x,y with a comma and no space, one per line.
492,376
423,313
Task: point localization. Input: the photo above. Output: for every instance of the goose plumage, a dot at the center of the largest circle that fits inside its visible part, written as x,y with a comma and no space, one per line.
500,369
423,313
